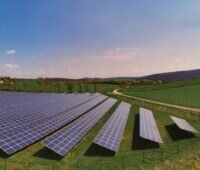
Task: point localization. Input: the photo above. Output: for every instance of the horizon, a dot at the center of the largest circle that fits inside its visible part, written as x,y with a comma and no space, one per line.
142,76
116,38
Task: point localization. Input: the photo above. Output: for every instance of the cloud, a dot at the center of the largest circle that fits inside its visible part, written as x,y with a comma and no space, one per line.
11,66
117,57
119,54
10,52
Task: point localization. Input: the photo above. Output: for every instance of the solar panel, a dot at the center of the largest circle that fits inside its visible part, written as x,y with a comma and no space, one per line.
13,99
36,102
25,137
66,139
112,132
184,125
40,114
148,127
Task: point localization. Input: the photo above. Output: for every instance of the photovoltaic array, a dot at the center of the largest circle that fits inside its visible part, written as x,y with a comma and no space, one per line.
148,127
67,138
36,122
112,132
28,117
183,124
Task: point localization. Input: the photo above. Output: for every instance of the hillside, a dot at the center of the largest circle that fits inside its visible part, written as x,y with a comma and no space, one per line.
169,76
183,93
175,76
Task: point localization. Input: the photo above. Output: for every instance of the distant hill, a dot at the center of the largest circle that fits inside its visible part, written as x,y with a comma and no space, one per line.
170,76
166,77
174,76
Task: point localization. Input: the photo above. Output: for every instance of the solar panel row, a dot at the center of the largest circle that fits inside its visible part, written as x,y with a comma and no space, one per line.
11,111
39,117
183,124
45,110
112,132
148,127
21,100
41,104
66,139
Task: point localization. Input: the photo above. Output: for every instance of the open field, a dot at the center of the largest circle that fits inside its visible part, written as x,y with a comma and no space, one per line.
191,160
184,93
134,153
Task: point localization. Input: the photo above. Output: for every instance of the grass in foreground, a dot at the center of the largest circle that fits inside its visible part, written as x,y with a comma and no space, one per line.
190,160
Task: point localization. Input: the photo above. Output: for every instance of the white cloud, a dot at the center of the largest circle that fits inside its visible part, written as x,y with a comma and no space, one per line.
119,54
11,66
117,57
10,52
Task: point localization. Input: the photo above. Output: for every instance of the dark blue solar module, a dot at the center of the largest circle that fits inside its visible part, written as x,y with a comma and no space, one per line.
30,134
66,139
40,114
112,132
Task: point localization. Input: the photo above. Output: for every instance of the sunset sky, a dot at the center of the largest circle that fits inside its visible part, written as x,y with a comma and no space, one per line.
98,38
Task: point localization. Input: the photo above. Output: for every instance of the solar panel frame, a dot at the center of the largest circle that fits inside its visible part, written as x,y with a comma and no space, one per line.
111,134
148,127
184,125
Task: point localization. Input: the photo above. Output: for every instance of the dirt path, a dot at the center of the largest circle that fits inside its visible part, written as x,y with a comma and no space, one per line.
116,92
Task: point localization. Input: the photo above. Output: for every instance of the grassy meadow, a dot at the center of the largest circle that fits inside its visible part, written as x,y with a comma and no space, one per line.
184,93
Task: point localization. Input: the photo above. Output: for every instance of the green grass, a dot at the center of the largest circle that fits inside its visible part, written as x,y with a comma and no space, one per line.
184,93
191,161
86,156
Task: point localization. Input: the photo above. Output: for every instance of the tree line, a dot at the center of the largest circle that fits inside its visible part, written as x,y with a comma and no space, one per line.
46,85
42,84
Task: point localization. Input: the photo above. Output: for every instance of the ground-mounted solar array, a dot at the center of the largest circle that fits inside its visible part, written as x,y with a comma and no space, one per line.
26,118
25,125
183,124
148,127
112,132
66,139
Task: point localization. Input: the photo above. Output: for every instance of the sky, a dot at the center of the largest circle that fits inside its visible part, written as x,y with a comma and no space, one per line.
98,38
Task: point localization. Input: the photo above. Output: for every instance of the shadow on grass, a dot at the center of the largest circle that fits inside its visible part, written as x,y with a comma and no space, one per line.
178,134
98,151
46,153
3,155
139,143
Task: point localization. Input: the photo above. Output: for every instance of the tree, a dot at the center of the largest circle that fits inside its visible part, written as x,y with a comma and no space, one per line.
24,85
7,84
95,85
80,87
40,82
70,87
53,86
14,84
86,87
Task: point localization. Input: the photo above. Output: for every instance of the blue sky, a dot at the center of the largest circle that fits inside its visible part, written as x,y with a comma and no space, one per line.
92,38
